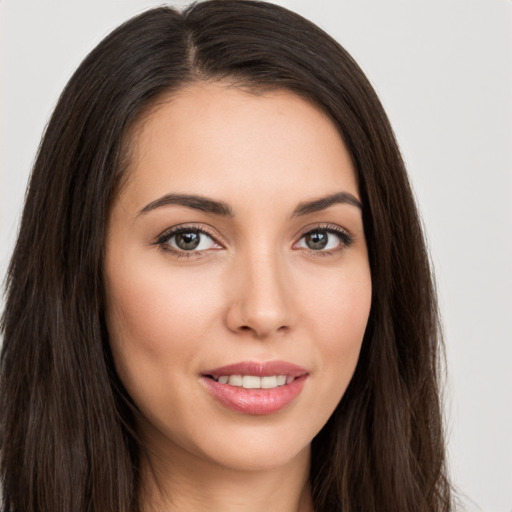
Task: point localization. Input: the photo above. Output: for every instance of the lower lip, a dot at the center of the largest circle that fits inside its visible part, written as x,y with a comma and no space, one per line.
255,401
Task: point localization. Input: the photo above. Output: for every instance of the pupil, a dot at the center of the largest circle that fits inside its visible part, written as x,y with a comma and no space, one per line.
188,240
316,240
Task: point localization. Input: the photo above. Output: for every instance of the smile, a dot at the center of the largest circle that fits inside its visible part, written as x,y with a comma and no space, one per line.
255,382
256,388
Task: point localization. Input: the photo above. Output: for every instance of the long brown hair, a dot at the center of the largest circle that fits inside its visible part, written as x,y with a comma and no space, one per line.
67,433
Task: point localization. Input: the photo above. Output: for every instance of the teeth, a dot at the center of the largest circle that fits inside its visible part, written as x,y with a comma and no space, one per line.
254,382
235,380
269,382
251,382
281,380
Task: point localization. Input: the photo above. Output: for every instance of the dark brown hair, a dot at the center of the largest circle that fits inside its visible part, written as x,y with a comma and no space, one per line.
67,433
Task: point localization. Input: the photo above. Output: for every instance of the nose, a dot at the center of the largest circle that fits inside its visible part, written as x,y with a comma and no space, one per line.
261,302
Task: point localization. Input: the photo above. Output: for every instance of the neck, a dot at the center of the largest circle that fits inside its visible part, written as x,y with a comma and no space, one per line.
187,482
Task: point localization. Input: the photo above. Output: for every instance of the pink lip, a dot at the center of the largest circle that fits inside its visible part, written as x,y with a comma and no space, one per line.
258,369
256,401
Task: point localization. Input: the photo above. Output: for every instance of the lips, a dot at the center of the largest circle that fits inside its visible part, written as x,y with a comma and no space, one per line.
254,387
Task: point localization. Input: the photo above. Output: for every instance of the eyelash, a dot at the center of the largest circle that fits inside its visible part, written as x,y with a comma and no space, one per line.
162,241
345,238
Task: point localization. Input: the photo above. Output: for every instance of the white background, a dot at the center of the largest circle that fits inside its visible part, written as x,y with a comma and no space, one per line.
443,69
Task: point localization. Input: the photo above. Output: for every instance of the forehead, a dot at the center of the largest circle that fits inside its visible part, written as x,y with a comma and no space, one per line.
215,139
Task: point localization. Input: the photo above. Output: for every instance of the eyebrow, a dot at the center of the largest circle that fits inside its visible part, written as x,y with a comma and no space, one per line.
207,205
323,203
190,201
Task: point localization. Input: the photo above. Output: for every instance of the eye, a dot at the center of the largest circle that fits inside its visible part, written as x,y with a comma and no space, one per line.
187,240
325,240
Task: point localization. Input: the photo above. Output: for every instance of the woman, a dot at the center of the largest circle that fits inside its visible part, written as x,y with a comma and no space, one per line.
220,296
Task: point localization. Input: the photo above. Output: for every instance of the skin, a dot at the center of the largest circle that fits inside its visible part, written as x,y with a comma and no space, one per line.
253,291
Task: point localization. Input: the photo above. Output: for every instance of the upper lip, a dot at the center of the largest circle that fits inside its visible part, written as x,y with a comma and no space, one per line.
258,369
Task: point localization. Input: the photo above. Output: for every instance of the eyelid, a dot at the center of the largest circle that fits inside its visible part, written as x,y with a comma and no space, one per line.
346,238
322,226
162,238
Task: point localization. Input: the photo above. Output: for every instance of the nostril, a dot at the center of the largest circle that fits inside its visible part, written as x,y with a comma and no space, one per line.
246,318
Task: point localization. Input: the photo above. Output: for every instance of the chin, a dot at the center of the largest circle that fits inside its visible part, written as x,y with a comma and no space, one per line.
262,447
262,458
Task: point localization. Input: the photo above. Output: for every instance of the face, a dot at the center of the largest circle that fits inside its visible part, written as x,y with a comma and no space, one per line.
237,277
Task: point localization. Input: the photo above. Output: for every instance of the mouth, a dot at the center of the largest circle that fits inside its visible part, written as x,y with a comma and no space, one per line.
255,388
253,381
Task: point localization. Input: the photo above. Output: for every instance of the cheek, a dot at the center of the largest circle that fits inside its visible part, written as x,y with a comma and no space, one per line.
152,304
156,319
340,306
338,319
